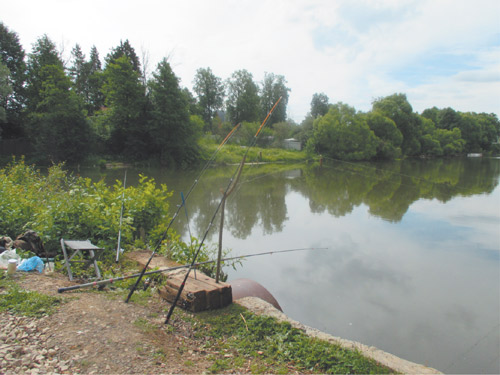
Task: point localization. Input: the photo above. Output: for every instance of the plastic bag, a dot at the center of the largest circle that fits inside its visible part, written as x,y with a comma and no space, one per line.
30,264
6,255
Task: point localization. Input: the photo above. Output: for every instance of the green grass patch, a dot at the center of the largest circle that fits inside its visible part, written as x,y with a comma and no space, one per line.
22,302
145,325
232,154
277,345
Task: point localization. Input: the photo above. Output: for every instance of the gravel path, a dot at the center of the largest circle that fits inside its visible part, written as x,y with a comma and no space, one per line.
25,347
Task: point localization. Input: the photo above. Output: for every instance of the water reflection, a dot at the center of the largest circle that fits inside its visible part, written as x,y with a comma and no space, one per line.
387,188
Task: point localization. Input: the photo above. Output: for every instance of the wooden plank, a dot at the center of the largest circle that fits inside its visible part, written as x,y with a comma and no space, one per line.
186,301
193,294
200,293
201,283
224,297
158,261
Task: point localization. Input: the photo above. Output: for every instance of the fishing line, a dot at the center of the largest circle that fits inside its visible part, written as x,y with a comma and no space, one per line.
164,236
181,288
462,356
494,359
169,269
236,172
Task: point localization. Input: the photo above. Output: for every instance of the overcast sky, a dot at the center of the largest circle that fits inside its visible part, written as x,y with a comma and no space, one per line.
443,53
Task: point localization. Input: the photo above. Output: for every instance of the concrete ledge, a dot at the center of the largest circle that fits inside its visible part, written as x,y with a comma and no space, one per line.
261,307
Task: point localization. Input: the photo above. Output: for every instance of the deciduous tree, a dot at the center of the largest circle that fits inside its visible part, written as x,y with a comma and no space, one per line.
390,138
210,91
451,141
399,110
490,130
319,105
343,134
274,87
242,98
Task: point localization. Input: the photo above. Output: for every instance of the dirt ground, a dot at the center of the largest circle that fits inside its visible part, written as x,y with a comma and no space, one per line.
97,333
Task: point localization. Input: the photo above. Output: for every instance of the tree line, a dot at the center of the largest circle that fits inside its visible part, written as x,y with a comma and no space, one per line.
71,110
392,130
68,110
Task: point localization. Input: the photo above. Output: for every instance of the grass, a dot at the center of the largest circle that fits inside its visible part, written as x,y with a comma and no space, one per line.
275,347
145,325
22,302
232,154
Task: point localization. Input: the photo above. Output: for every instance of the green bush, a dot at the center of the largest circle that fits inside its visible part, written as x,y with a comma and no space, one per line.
57,205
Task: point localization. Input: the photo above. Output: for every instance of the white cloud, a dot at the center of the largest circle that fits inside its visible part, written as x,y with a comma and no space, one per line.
479,214
442,53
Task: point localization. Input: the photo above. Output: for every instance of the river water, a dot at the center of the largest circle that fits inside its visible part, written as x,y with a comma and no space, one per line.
412,264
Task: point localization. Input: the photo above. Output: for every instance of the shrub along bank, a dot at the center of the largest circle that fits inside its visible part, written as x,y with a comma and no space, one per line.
58,205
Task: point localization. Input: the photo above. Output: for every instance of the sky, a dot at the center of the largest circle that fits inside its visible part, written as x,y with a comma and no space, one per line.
443,53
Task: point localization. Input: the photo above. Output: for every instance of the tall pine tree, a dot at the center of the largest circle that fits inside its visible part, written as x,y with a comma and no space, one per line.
12,56
44,53
125,98
57,126
95,97
125,49
87,78
173,139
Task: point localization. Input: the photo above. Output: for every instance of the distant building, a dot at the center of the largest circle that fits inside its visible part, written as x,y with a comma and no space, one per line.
292,144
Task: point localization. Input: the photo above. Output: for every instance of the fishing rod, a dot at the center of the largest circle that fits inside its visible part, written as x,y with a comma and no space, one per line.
121,218
112,280
238,170
221,229
179,208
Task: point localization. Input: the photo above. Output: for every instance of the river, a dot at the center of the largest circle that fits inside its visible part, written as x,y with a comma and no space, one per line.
412,264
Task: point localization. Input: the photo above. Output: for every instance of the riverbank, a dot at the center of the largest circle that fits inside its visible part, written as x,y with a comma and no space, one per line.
391,361
232,154
94,332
